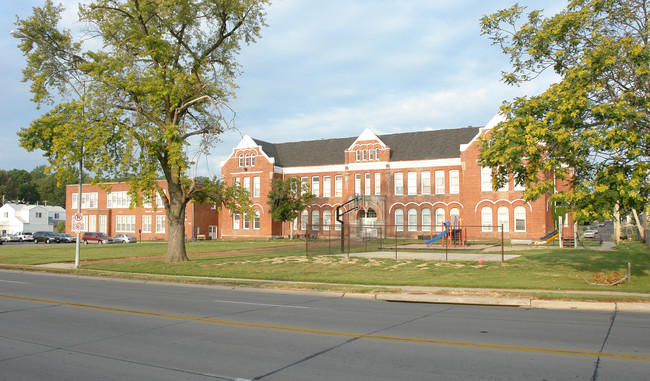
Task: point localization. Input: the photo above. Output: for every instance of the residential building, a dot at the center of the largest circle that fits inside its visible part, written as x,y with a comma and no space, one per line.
16,218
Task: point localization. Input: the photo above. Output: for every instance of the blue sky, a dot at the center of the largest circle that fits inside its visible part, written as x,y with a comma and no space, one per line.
331,68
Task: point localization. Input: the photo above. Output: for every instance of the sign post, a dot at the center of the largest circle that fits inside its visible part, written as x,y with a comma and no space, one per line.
78,227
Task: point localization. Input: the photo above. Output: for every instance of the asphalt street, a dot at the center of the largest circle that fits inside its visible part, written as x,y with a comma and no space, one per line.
76,328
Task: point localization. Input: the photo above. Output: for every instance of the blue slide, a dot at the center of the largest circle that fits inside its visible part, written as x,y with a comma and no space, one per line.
436,238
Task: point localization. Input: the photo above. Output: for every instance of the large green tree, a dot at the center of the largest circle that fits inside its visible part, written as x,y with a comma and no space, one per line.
149,77
287,198
591,128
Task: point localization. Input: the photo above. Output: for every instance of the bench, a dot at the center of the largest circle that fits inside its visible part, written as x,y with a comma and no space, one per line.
200,237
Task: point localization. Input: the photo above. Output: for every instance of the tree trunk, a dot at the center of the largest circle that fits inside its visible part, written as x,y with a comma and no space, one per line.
640,225
617,225
176,223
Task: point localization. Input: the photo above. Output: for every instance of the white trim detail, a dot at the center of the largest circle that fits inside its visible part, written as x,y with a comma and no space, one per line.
494,202
424,203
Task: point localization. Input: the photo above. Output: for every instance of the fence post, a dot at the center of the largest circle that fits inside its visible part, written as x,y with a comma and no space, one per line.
502,256
307,243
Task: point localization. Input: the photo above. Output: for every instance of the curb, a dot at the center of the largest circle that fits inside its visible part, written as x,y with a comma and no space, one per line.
451,299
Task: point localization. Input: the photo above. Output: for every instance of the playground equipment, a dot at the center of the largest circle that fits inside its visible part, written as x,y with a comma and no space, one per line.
452,234
548,238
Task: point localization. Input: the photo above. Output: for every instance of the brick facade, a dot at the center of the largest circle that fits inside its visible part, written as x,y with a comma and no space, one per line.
106,209
438,172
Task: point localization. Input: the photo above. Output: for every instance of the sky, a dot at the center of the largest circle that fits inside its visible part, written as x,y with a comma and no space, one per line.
329,69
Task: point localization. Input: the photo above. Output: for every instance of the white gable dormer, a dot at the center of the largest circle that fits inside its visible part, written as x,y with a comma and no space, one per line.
367,135
247,144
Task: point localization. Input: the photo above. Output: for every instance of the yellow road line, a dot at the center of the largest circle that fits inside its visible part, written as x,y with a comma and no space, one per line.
415,340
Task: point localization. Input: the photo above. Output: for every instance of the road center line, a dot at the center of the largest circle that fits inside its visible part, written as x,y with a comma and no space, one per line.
413,340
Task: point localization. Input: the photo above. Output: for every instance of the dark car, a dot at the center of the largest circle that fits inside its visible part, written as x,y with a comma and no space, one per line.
125,238
67,238
47,237
94,237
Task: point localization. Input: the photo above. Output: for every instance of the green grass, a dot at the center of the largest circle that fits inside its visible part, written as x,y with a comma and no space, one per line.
544,269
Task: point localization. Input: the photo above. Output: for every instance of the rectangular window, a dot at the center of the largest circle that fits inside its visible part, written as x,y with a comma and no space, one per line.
440,182
315,186
103,228
338,186
425,181
304,183
125,224
159,200
235,221
118,200
377,183
92,223
486,179
160,224
256,186
357,183
256,220
38,215
246,220
454,182
398,179
412,183
519,186
146,224
327,186
366,188
247,184
88,200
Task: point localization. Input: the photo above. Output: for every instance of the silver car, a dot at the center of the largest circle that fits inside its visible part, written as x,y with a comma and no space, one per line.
125,238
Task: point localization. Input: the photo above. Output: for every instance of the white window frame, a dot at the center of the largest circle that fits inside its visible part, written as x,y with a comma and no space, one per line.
486,219
236,221
398,181
315,219
366,187
125,223
327,186
454,181
146,223
315,186
256,186
486,179
425,182
377,183
439,182
412,219
503,218
304,219
426,219
439,218
412,183
247,184
161,223
520,218
327,219
357,183
88,200
399,220
256,220
338,186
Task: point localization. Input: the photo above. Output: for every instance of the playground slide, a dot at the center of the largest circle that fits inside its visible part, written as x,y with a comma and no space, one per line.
554,236
548,238
434,239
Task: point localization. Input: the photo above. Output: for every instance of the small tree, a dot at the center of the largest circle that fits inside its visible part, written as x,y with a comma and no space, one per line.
287,198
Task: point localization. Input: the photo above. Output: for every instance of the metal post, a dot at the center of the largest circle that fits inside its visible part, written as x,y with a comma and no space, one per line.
502,256
77,255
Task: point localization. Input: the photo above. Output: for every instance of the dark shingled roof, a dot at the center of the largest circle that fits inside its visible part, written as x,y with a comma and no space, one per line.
424,145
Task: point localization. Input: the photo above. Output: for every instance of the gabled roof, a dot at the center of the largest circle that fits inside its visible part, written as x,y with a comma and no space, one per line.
423,145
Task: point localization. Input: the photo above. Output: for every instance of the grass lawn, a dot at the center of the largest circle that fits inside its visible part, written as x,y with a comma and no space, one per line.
547,269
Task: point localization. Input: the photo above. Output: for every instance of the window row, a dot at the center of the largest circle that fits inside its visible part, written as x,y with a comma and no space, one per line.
246,160
438,186
315,222
244,221
245,182
502,223
326,187
367,154
424,221
113,200
486,182
124,224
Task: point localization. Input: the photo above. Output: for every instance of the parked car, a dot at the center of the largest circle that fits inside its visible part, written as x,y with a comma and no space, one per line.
588,234
100,238
9,238
47,237
67,238
125,238
25,236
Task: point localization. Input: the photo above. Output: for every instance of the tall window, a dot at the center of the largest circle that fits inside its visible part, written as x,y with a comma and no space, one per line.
425,182
304,220
503,218
366,188
327,219
118,200
358,155
371,154
399,220
88,200
252,159
376,153
520,219
412,183
315,186
440,219
103,225
125,224
412,220
315,220
146,224
256,186
454,182
247,183
160,224
426,219
486,219
241,160
304,183
247,160
454,215
338,186
256,220
235,221
398,179
357,183
440,182
327,186
365,155
377,183
246,221
486,179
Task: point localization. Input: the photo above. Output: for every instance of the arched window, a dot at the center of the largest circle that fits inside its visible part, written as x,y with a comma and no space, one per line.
327,219
256,220
358,155
454,216
252,160
399,220
440,219
304,219
426,219
376,153
241,160
412,220
503,218
370,154
365,154
315,220
247,160
486,219
520,219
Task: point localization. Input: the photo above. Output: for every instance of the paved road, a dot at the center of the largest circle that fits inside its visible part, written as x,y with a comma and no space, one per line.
77,328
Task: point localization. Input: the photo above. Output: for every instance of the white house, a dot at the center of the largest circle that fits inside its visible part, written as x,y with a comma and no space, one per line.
20,217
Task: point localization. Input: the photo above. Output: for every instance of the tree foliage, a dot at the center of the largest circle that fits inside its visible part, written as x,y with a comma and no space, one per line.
592,127
288,197
31,187
149,77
